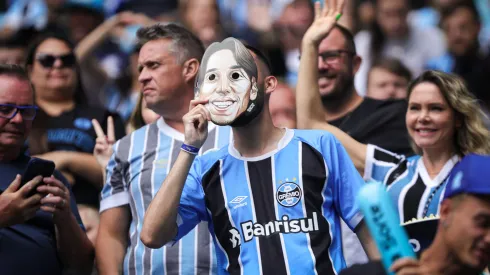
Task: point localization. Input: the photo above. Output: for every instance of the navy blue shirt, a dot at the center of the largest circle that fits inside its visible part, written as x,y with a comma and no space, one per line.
30,247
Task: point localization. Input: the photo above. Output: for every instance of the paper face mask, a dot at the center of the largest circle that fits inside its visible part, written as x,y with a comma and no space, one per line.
228,79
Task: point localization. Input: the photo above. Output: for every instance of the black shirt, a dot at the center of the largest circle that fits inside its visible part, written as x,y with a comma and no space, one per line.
30,247
73,131
378,122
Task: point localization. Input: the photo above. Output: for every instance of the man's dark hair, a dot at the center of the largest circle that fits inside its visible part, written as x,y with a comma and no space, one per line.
184,43
14,70
350,45
394,66
470,5
260,55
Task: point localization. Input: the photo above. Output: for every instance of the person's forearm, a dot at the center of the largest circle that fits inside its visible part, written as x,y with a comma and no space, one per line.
159,226
85,165
367,242
110,253
112,240
74,248
308,102
94,39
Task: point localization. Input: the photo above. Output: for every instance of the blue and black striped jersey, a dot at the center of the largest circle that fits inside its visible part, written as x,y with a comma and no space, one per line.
414,193
278,213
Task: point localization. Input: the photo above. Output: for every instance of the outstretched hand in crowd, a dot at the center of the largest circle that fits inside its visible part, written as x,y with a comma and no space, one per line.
325,19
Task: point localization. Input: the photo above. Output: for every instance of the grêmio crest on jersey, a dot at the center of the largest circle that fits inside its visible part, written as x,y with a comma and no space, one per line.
288,194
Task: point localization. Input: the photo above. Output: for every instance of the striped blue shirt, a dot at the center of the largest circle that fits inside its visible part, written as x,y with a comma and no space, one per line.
135,173
278,213
414,193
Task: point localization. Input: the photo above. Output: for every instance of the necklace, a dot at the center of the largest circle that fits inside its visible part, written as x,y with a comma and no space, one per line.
431,196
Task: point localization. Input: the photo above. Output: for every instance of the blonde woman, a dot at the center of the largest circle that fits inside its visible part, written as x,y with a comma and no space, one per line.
443,120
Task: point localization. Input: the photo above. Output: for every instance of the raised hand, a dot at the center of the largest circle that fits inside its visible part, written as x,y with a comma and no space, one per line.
196,123
103,143
324,21
15,204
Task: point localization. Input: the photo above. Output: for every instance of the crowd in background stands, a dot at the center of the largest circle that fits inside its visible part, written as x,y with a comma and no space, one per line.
94,43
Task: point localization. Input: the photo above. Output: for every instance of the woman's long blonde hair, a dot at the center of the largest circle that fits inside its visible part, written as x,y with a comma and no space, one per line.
136,120
472,136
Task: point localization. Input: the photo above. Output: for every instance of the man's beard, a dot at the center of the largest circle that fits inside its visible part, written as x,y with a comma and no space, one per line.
343,88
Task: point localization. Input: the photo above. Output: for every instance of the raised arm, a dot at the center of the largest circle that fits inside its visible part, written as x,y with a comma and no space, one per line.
104,30
309,109
160,222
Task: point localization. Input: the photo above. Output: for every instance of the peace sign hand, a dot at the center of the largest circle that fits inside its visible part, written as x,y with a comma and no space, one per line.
103,143
325,20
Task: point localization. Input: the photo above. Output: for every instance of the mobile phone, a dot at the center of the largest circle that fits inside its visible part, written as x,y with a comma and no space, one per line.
37,167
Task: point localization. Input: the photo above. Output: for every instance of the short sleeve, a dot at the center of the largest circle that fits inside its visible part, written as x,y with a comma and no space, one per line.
115,191
379,163
192,207
73,203
344,179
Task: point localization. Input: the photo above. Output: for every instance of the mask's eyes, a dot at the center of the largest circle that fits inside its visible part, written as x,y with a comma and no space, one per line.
211,77
236,75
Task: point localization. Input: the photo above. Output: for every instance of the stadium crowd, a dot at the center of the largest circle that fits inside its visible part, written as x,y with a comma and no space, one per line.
234,136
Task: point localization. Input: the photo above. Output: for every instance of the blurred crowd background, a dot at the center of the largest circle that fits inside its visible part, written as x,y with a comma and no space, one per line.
93,44
397,40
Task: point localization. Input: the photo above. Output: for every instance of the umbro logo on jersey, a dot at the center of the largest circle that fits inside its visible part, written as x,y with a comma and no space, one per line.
288,194
285,226
235,237
238,202
238,199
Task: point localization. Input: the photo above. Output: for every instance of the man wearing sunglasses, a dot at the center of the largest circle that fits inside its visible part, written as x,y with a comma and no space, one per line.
41,231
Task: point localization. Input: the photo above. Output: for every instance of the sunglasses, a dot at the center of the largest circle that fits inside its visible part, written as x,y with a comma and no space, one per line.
48,60
9,111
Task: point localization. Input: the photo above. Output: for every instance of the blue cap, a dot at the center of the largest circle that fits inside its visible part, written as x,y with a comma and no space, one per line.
470,176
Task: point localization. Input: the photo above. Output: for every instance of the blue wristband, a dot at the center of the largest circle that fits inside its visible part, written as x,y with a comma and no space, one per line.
190,149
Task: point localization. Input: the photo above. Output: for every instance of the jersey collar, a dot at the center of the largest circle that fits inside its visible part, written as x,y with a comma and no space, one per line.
283,142
443,174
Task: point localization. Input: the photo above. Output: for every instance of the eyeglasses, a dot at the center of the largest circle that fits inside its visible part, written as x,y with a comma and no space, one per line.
48,60
9,111
333,56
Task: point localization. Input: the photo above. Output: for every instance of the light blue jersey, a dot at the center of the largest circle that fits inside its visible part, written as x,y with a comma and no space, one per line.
278,213
135,173
414,193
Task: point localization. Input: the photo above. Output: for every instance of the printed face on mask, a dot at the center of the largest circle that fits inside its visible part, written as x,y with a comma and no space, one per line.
230,88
